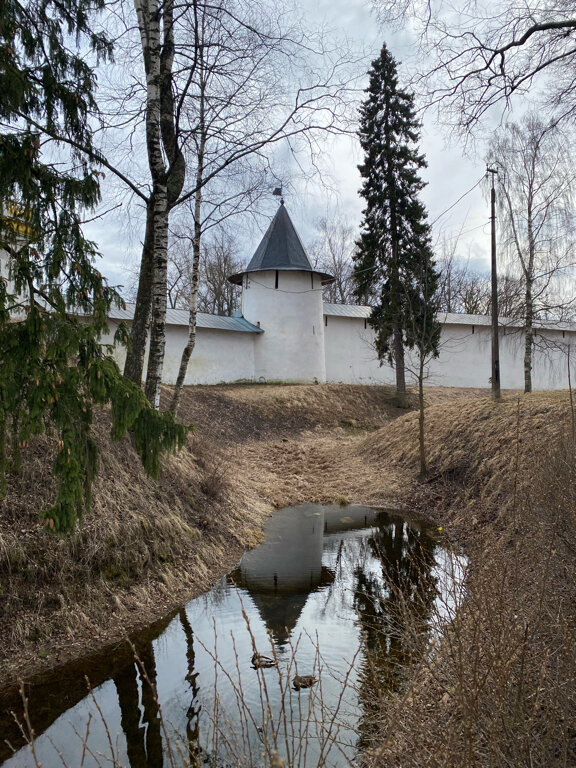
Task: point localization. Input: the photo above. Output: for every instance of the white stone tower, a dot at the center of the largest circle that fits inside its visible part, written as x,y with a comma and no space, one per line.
282,294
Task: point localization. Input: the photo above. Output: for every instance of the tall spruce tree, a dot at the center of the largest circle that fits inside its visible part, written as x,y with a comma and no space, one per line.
394,269
53,307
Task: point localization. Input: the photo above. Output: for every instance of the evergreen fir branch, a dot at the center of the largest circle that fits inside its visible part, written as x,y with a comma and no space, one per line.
53,367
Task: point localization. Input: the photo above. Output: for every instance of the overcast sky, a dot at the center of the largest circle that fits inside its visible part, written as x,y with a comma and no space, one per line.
449,175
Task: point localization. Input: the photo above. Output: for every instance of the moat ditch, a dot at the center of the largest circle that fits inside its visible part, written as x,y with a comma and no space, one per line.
326,598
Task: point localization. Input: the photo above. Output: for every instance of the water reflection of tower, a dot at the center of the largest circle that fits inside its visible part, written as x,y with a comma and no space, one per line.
283,571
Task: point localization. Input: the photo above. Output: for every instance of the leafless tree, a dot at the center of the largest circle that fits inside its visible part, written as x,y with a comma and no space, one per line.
535,185
424,333
468,291
332,252
461,289
476,54
219,259
223,87
511,295
272,80
218,296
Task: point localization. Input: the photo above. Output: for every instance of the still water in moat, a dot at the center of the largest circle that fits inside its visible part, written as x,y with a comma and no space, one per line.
320,596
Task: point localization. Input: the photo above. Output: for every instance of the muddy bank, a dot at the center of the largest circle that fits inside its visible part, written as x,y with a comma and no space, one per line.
499,687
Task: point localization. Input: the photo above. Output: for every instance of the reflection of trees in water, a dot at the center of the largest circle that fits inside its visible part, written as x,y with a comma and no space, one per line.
393,595
216,595
136,686
141,727
193,711
383,576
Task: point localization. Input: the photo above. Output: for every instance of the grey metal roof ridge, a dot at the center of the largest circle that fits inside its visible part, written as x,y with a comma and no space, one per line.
203,319
449,318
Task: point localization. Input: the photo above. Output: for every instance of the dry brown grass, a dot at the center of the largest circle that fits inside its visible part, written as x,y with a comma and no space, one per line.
248,412
147,546
498,689
144,546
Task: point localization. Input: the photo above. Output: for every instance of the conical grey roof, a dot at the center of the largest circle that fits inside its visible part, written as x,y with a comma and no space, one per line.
281,249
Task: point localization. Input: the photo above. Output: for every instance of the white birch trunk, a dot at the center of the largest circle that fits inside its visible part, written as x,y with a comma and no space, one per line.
134,365
159,299
150,17
195,270
529,308
421,441
193,308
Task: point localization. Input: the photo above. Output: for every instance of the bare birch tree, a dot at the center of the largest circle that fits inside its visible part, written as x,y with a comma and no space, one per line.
236,111
535,181
167,171
220,87
279,83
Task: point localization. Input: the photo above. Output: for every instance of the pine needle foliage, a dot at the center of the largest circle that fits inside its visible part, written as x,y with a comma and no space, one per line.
53,301
394,267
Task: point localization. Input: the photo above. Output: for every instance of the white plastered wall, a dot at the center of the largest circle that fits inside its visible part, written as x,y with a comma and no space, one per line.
350,354
466,354
219,356
550,369
292,347
5,272
464,360
465,357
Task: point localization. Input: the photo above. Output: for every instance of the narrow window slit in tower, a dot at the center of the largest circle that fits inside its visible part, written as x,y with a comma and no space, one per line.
276,281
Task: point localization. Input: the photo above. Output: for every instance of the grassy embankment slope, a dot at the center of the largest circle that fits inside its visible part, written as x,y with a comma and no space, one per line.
499,688
148,546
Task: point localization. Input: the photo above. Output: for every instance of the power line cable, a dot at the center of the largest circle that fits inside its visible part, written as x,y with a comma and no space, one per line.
457,201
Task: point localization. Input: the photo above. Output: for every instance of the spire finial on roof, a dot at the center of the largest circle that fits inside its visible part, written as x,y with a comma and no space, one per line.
278,193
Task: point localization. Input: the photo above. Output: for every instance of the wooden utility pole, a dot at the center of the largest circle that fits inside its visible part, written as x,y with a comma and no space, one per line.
495,344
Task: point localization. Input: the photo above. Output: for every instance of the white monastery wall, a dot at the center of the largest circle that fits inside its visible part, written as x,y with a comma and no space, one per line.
465,358
464,361
550,369
292,345
219,356
466,351
350,354
299,343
